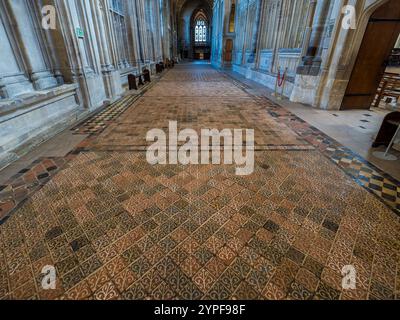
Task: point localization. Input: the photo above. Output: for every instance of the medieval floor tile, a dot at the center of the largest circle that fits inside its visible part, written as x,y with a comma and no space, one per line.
116,227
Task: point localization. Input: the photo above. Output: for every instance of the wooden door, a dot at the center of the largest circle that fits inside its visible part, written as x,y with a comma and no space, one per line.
379,40
228,50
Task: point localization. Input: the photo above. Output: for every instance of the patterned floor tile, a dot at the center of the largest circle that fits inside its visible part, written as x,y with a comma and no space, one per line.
25,183
116,227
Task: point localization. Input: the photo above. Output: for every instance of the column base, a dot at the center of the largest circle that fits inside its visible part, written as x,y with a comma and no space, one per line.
14,85
43,80
112,84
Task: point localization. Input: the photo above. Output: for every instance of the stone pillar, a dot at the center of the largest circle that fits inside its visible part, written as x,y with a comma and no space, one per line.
46,42
111,77
13,81
151,14
255,28
141,17
157,32
25,29
133,36
82,53
100,22
245,32
314,38
261,33
166,29
277,34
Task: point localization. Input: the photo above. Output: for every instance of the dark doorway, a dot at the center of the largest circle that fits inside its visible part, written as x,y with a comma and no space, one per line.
379,40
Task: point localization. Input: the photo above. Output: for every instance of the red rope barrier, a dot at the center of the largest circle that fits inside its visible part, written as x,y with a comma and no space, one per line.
281,80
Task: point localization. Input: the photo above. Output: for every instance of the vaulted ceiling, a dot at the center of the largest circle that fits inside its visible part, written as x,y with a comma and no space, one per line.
181,3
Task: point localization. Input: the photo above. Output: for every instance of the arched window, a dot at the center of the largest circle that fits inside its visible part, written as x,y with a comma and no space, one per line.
232,18
200,32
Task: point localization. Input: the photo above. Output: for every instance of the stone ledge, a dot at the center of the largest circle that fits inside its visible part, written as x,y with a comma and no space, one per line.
11,108
32,119
125,72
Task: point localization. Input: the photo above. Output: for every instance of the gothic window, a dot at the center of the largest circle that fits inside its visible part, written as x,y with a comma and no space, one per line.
200,32
197,34
232,18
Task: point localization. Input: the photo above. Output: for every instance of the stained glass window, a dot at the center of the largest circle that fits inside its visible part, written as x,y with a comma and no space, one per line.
197,34
201,31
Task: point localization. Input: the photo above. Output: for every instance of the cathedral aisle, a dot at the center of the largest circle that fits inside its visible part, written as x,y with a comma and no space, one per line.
116,227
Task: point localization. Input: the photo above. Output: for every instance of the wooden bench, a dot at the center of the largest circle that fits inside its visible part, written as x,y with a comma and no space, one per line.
167,64
160,67
136,81
389,87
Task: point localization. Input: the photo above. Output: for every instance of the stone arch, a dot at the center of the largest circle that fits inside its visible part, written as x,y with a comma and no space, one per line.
355,41
199,14
342,59
186,11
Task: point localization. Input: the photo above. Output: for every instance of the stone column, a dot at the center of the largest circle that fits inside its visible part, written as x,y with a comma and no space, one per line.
132,30
25,32
100,21
277,32
261,33
81,54
13,81
111,77
46,42
151,14
166,30
157,31
255,29
139,28
245,32
143,35
319,12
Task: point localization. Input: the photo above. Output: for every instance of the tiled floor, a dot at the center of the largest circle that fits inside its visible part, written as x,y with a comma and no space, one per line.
116,227
129,131
354,129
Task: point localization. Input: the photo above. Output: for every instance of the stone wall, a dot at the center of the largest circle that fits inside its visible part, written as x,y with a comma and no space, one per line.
50,77
303,37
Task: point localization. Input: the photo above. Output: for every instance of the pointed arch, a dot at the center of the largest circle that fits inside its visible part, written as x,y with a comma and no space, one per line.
200,27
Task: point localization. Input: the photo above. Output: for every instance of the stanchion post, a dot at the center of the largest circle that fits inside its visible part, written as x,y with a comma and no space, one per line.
284,83
275,93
